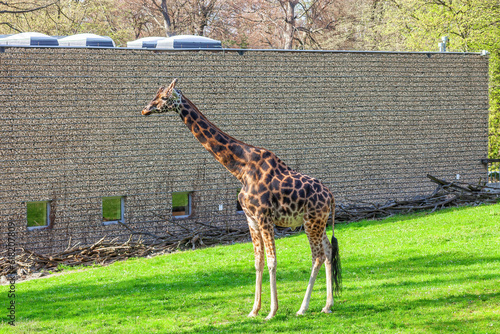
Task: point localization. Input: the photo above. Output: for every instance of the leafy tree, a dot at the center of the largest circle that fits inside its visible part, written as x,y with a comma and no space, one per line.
102,17
18,9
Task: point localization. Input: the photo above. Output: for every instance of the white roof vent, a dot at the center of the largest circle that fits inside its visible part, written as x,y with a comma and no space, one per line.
29,38
87,40
145,42
188,42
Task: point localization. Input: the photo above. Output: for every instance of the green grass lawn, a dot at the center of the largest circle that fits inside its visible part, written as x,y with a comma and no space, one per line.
425,273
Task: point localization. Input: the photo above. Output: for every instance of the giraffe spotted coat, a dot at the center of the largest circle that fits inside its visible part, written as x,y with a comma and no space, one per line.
272,194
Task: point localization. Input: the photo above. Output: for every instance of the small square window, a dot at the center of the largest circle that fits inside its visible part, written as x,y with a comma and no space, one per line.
181,204
37,214
239,209
112,209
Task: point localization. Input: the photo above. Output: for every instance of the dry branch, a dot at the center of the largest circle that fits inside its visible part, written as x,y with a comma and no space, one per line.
446,194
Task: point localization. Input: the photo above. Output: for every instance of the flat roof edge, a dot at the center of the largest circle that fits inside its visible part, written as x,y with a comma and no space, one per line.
240,51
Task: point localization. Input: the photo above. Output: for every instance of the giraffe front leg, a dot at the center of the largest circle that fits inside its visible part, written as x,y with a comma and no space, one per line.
258,292
258,246
268,237
271,264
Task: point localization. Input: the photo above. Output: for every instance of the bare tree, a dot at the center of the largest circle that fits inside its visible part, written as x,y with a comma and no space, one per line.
284,24
163,8
21,7
304,24
288,7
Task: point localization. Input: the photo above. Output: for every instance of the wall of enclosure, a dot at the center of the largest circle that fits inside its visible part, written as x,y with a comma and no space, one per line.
369,125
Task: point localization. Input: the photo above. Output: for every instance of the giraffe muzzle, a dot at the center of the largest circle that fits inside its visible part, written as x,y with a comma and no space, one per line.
148,111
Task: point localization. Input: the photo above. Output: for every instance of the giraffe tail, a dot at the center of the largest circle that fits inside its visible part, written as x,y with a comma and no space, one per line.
336,267
335,259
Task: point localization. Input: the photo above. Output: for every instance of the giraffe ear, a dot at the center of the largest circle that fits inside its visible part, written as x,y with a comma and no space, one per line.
172,85
162,88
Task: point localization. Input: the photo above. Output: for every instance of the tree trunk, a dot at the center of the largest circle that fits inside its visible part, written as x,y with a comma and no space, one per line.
166,18
201,15
289,7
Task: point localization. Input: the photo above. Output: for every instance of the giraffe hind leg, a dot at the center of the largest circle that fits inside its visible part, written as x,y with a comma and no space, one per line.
318,257
329,274
333,271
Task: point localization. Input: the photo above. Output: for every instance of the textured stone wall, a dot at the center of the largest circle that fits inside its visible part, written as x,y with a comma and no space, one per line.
369,125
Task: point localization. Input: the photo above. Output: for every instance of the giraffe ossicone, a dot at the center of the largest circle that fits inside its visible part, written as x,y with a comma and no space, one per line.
271,194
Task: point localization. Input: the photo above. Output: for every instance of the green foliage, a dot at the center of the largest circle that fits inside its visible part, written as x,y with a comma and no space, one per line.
180,199
494,133
112,208
425,273
102,17
36,213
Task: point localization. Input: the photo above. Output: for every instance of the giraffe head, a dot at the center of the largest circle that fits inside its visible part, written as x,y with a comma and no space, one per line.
166,99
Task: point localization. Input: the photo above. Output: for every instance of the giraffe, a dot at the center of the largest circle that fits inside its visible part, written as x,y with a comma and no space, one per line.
271,194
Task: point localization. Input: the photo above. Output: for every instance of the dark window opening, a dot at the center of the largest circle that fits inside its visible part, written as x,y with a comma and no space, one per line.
181,204
239,209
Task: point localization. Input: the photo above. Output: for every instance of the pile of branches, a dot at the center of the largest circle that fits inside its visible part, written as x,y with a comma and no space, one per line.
105,251
102,252
29,264
447,194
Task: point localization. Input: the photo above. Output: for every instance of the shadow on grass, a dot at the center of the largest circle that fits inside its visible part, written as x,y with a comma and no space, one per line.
165,295
423,313
174,292
130,296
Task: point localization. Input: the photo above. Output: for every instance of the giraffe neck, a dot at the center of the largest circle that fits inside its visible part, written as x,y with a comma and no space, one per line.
231,153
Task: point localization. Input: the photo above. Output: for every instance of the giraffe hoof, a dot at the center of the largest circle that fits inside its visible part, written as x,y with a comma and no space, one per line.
300,312
326,310
270,316
252,314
